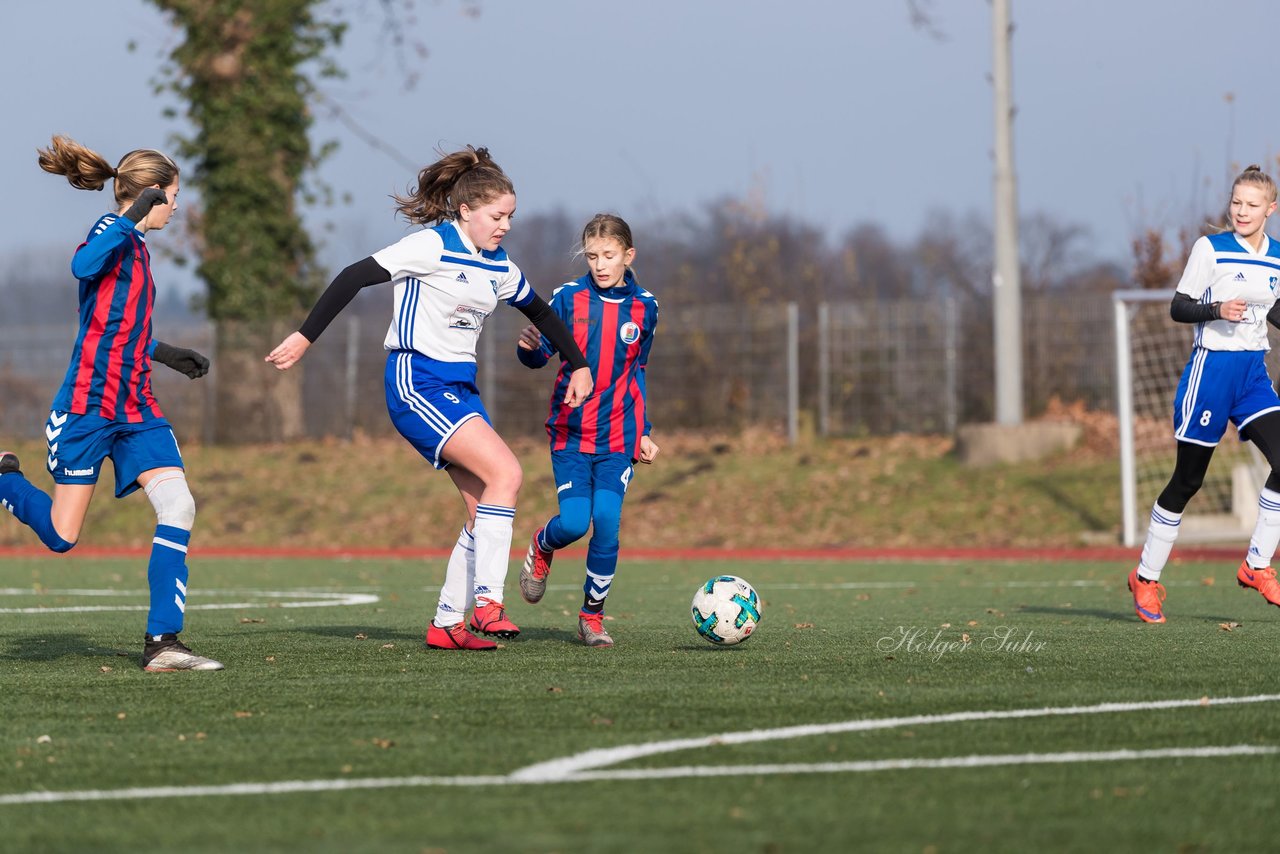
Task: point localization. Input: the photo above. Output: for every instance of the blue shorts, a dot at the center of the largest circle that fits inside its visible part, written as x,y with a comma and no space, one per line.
79,443
426,408
580,475
1217,386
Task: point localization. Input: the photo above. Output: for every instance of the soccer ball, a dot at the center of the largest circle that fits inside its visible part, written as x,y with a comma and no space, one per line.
726,610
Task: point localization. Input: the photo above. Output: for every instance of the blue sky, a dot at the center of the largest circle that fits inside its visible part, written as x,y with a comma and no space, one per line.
1130,114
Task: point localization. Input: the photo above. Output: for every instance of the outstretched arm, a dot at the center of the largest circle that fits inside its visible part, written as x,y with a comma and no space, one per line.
335,298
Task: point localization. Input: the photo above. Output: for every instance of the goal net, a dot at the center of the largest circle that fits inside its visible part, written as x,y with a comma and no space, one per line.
1151,351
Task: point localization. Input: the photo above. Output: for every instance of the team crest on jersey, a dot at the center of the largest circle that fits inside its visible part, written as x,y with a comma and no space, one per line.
629,333
1272,284
493,283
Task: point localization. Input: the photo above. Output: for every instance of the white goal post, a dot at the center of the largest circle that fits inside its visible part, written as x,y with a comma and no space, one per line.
1151,351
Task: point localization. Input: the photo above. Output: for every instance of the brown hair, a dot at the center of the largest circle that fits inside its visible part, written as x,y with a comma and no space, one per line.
1254,176
467,177
608,225
86,169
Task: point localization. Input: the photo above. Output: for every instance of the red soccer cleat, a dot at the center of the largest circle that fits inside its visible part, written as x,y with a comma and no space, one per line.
1147,596
490,618
1262,580
455,637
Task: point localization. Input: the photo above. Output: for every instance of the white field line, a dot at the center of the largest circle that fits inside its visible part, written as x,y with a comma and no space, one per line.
309,599
592,759
586,766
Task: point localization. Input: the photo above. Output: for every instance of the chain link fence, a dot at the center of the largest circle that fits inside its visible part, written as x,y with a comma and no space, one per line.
865,368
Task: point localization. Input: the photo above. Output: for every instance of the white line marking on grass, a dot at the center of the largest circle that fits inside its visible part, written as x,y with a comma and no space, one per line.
870,765
586,766
592,759
309,599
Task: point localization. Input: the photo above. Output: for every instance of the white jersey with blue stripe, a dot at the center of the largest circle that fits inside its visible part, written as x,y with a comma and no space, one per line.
1223,267
445,288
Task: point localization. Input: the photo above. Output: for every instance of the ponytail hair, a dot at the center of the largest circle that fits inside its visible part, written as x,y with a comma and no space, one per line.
86,169
1255,177
468,177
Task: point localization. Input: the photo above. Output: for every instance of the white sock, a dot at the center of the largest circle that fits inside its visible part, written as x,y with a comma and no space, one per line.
455,595
1160,538
493,549
1266,534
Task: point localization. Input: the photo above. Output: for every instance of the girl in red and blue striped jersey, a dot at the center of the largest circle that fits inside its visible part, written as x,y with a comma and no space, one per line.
594,447
105,407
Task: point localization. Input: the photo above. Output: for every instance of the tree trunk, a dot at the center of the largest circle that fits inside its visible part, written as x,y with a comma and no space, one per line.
254,401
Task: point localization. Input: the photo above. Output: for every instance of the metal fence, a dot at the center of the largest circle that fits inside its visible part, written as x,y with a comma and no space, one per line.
866,368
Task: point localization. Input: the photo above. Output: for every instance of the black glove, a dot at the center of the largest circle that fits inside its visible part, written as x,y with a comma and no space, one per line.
149,198
182,360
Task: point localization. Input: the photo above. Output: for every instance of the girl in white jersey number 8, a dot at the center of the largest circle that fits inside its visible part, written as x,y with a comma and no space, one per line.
448,278
1229,292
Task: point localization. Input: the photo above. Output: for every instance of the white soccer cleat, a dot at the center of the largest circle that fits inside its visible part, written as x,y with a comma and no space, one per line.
165,653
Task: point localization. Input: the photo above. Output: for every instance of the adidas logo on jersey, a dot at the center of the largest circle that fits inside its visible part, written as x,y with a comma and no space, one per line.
1240,277
462,277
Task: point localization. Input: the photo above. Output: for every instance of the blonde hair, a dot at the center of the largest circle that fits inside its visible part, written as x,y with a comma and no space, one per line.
1255,177
86,169
608,226
468,177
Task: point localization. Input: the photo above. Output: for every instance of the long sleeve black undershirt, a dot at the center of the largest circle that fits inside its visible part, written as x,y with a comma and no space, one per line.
1184,309
341,291
550,325
344,287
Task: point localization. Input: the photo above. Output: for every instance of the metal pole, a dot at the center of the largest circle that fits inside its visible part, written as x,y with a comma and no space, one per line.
488,373
353,371
824,369
1124,411
793,373
1006,284
951,360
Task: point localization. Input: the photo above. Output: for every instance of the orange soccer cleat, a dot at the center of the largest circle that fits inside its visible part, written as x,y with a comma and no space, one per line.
455,637
1147,596
1262,580
490,618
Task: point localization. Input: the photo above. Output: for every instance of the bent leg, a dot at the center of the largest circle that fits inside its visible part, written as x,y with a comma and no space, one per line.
56,520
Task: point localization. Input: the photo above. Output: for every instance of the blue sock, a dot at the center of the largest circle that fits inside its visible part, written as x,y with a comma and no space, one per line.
167,577
33,507
602,550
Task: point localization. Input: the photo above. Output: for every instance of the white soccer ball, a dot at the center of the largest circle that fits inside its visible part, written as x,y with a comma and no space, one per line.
726,610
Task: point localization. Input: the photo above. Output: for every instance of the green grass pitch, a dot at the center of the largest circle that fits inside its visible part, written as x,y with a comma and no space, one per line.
909,705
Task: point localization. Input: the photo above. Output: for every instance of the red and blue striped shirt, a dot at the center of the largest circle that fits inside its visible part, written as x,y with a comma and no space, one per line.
614,328
110,371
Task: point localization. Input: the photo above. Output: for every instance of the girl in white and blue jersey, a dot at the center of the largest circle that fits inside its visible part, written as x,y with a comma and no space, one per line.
1229,291
448,279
